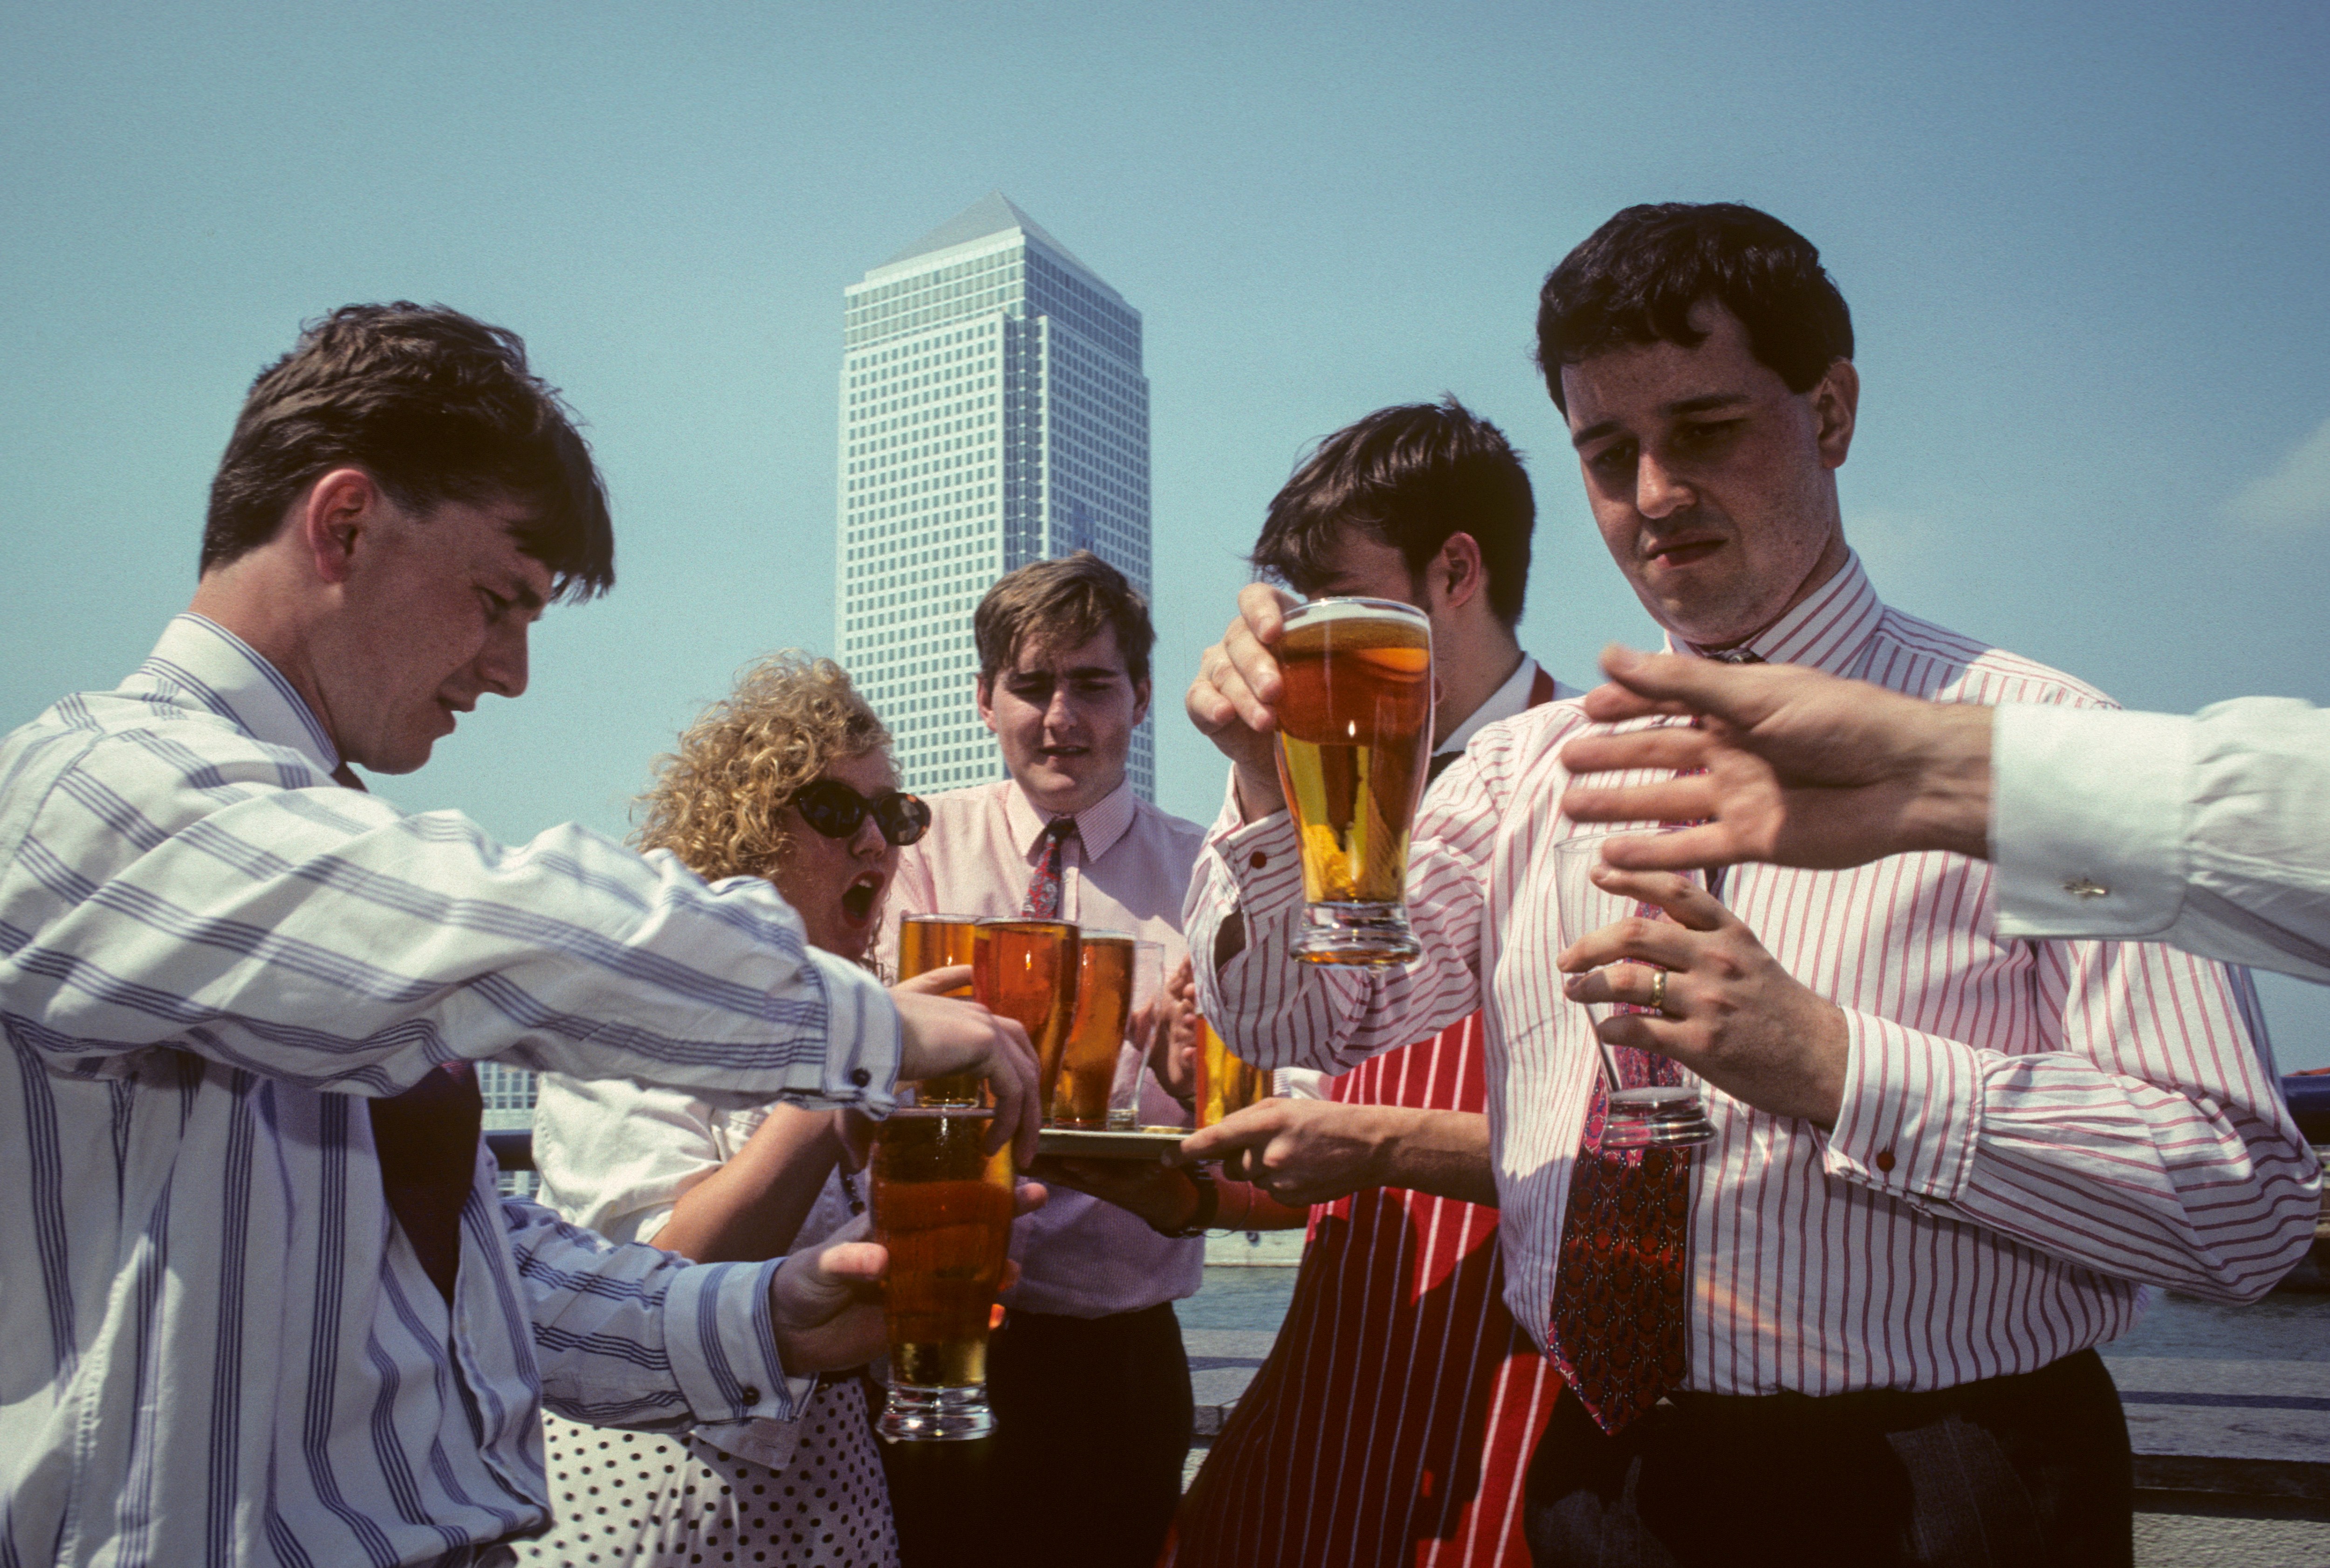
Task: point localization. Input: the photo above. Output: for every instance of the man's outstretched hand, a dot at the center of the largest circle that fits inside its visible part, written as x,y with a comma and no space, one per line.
943,1034
1800,768
826,1302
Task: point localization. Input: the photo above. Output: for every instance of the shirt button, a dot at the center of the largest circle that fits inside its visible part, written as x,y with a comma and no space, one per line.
1257,860
861,1077
2085,887
752,1394
1885,1160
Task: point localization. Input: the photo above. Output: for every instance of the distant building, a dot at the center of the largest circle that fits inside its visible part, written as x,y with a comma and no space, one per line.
508,1096
993,413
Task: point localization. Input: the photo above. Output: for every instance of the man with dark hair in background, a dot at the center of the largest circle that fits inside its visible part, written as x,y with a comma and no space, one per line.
1087,1377
1859,1326
1395,1416
262,1302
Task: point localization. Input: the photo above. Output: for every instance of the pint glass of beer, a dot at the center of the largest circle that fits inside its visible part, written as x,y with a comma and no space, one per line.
1651,1102
942,1206
1026,971
1079,1094
935,942
1141,1024
1226,1085
1354,739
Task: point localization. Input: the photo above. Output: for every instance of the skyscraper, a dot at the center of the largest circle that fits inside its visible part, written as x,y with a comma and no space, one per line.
993,413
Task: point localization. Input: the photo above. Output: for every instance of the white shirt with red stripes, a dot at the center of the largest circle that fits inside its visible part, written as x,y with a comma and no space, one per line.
2031,1132
1392,1423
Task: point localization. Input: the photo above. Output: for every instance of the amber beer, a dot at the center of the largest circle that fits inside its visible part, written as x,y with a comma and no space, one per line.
1354,739
1026,971
942,1206
1226,1085
935,942
1078,1096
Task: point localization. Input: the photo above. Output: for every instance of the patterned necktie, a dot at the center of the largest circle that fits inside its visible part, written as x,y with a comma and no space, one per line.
426,1140
1043,900
1618,1288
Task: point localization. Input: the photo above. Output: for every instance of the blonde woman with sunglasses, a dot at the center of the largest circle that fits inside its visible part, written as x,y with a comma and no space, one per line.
789,778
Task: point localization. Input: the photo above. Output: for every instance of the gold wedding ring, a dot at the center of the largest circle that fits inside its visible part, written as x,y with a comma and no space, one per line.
1658,990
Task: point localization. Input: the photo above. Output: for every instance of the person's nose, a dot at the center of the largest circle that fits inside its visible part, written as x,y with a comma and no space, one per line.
1658,492
1060,712
867,842
502,662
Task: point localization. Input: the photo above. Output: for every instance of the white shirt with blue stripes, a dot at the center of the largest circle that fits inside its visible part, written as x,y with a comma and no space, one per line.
216,1346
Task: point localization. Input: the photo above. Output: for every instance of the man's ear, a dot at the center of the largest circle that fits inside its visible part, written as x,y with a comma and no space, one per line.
1457,571
1141,690
985,690
334,514
1836,406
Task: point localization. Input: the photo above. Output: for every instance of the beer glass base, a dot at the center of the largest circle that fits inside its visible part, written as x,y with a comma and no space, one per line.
1355,933
1661,1118
927,1415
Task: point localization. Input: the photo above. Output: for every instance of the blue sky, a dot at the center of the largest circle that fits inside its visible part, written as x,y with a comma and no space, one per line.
2083,245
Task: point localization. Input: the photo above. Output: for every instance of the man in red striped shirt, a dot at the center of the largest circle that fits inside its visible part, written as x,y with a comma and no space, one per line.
1947,1162
1393,1421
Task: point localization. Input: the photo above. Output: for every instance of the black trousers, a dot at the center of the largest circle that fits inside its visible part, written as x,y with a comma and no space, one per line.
2026,1471
1093,1421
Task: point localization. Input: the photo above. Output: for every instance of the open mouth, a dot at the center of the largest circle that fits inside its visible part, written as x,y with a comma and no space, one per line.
857,899
1686,552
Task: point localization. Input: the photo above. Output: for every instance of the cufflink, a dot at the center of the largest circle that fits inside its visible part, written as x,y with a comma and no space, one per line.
2084,888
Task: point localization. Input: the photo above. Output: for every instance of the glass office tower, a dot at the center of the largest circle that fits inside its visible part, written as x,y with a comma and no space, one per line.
993,413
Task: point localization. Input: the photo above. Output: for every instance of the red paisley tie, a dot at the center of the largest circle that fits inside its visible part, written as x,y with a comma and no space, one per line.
1618,1288
1043,900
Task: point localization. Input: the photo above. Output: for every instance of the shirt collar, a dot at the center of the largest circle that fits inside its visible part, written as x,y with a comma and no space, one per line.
1098,825
1826,632
1512,697
226,675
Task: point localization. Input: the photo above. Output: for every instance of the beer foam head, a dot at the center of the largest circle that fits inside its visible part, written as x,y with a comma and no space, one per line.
1322,611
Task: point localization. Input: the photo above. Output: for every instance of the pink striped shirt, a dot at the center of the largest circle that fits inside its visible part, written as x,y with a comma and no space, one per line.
2031,1132
1394,1419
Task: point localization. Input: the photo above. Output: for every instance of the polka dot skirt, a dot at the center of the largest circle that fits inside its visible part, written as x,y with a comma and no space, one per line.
643,1501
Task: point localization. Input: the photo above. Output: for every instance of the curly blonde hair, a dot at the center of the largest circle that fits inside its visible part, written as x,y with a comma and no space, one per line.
718,802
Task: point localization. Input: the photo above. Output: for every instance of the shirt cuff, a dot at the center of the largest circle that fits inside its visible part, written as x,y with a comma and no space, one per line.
2088,821
1263,857
723,1345
1911,1114
862,1037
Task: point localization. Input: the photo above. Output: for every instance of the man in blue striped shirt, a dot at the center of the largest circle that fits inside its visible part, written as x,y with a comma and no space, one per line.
261,1303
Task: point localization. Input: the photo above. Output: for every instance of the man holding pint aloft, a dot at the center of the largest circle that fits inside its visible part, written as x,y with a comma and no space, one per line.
1857,1325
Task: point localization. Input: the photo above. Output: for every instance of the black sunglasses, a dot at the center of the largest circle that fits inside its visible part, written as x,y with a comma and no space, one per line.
837,810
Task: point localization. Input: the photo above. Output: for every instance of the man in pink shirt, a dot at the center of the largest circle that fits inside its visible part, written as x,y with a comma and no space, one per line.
1087,1376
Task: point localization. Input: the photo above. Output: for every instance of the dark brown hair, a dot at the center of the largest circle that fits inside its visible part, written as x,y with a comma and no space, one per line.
1636,277
437,407
1062,604
1409,476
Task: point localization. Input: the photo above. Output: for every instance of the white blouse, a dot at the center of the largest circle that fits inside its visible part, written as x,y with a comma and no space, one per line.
615,1156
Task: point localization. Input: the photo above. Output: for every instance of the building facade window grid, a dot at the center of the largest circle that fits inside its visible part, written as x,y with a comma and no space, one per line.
993,413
